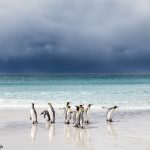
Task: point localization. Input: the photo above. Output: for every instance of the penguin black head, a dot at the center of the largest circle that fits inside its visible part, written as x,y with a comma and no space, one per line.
49,104
32,104
90,105
115,107
80,106
69,107
77,108
68,103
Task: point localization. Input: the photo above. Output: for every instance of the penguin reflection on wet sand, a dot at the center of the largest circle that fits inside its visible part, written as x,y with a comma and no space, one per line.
87,113
33,114
33,132
68,133
110,113
51,113
110,129
82,137
51,131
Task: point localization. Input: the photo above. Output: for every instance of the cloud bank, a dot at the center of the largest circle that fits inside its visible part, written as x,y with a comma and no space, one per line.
77,36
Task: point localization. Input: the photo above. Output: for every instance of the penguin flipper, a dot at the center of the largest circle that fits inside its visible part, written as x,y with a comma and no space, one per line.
44,115
42,112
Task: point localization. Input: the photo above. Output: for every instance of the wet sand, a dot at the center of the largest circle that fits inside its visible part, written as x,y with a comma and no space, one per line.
130,130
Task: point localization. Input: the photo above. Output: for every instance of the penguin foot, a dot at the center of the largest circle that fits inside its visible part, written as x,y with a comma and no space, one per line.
82,127
87,122
76,126
109,120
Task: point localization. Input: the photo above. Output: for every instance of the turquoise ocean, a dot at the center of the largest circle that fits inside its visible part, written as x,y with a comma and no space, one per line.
126,91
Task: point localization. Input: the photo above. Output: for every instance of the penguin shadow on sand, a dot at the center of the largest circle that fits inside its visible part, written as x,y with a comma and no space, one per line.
51,130
82,137
33,132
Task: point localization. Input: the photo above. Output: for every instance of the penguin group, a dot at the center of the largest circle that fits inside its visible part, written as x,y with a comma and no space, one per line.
49,114
80,116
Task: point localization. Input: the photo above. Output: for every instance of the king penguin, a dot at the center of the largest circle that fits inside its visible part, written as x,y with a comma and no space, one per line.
75,118
46,115
33,114
33,132
65,111
87,113
51,113
81,116
68,115
110,113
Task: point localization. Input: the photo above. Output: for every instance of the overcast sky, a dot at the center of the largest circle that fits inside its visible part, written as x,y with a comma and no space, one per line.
74,36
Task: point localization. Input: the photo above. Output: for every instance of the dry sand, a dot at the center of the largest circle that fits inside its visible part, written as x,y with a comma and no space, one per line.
130,130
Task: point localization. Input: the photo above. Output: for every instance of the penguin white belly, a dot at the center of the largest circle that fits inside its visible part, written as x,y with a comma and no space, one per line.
81,119
68,115
85,115
46,117
88,114
74,118
77,118
110,114
32,114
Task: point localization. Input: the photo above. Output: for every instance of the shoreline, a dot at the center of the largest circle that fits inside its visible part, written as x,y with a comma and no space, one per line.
129,130
94,108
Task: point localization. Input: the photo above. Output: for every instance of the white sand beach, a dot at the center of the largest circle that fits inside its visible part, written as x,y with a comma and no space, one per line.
130,130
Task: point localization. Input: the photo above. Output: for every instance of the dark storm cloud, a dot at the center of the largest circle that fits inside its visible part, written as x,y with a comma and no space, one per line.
74,36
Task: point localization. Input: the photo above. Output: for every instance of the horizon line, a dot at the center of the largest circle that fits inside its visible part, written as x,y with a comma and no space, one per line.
71,74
